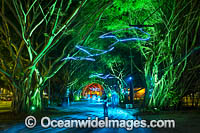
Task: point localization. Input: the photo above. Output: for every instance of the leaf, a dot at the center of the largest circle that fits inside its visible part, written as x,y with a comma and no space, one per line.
46,35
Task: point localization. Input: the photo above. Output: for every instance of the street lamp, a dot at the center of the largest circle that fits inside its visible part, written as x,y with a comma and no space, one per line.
130,80
33,108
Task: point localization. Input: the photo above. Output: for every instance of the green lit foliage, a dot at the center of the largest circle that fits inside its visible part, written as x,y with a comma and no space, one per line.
32,31
77,98
164,65
166,58
174,36
125,12
116,16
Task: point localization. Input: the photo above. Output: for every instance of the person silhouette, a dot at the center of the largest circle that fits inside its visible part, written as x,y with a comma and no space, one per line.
105,105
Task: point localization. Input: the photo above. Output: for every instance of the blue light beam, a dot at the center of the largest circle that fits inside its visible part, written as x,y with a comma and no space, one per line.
110,35
101,52
84,49
100,75
78,58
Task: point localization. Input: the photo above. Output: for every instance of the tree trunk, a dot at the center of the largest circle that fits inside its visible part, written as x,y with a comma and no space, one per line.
22,102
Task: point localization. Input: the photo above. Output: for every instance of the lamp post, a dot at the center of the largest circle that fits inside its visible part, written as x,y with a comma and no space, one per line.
130,79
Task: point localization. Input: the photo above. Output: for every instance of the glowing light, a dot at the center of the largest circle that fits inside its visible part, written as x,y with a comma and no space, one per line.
109,94
99,99
80,48
94,97
130,78
84,49
88,50
110,35
78,58
32,108
100,75
94,89
77,98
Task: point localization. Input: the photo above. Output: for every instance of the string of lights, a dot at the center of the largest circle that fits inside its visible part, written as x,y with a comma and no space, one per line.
78,58
83,48
110,35
89,50
100,75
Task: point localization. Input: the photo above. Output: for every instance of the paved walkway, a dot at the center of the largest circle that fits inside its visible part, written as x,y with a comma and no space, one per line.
85,109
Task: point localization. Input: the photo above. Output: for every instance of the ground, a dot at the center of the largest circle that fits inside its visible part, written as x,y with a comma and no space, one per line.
185,122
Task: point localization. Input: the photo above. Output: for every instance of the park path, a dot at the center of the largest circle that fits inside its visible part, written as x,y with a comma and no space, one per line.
86,109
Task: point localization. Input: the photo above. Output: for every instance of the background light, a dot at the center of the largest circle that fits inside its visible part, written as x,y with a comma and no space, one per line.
130,78
94,97
33,108
99,99
88,50
77,98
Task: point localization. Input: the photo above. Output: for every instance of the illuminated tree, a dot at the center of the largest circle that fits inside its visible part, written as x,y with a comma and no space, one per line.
167,55
37,36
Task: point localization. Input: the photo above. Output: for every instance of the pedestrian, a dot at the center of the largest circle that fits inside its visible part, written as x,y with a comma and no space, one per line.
105,105
115,99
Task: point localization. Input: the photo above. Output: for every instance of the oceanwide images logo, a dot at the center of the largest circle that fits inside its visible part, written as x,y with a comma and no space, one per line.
46,122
